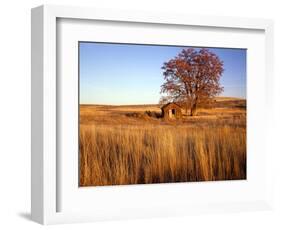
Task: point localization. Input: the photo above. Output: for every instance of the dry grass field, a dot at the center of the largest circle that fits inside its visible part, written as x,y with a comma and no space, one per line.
133,145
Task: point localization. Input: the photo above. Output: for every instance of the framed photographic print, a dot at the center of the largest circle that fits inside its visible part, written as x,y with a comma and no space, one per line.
137,114
130,134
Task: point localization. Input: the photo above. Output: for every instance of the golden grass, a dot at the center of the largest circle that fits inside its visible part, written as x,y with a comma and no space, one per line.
124,145
117,155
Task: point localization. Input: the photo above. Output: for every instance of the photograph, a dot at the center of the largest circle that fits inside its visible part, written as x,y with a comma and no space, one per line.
153,113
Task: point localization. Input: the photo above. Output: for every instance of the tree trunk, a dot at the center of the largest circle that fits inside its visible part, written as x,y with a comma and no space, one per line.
186,108
193,110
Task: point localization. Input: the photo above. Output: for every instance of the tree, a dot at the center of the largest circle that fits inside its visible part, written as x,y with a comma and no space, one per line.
192,77
165,99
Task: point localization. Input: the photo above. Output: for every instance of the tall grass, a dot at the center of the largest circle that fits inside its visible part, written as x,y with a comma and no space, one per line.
116,155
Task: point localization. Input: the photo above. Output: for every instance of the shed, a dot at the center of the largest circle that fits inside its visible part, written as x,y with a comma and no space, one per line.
171,111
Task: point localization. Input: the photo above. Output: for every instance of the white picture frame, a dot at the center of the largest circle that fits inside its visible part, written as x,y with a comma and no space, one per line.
46,174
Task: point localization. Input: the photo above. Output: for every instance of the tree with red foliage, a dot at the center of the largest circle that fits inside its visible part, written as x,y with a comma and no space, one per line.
192,77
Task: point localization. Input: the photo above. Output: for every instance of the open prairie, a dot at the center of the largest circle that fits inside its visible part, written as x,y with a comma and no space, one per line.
133,144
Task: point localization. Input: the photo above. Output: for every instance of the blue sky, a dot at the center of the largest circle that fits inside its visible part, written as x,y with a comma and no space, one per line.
131,74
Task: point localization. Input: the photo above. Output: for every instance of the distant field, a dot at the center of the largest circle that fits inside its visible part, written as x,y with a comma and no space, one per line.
132,145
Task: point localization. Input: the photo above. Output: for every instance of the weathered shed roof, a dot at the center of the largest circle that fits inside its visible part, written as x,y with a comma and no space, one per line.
169,104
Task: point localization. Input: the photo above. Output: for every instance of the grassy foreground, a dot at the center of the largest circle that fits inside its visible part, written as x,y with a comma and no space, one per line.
145,152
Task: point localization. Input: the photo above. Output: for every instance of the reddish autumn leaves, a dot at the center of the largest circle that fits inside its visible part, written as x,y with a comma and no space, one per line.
192,77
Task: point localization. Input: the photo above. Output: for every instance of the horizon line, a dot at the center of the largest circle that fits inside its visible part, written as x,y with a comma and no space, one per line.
127,104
